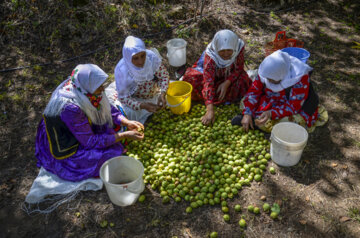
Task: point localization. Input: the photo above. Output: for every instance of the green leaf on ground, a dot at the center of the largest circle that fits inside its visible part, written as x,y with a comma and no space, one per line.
275,208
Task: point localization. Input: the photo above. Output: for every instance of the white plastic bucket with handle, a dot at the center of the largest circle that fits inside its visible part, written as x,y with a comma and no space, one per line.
176,52
123,179
288,141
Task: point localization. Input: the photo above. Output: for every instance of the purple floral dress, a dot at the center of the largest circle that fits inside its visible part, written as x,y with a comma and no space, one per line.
96,145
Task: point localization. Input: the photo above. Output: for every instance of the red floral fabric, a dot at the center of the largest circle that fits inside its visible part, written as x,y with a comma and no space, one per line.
94,100
205,84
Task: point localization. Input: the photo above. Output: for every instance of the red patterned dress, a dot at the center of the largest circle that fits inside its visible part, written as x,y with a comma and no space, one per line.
206,77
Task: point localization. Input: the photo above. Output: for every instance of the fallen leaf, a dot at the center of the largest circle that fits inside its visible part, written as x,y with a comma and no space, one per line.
188,232
334,165
307,198
245,32
356,46
303,222
77,214
3,186
344,166
307,161
275,208
344,219
263,198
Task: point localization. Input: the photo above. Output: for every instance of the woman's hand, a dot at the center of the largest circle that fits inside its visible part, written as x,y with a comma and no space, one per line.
135,125
162,101
132,125
148,106
221,90
209,116
132,135
247,122
263,118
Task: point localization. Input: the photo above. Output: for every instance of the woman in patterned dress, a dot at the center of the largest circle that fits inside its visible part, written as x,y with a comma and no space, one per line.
76,135
219,76
141,81
281,92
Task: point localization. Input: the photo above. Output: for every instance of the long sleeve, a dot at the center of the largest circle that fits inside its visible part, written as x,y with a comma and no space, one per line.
252,97
78,123
163,78
297,97
116,116
131,102
208,91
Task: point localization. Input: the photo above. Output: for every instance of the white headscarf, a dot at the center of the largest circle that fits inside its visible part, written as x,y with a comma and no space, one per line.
85,78
224,40
127,75
280,66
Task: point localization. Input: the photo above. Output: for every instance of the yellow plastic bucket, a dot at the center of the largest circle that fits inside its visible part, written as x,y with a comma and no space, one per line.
178,97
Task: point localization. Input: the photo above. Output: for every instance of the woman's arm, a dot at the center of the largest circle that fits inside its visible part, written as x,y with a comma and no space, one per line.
131,102
163,75
117,116
298,94
252,97
208,91
78,123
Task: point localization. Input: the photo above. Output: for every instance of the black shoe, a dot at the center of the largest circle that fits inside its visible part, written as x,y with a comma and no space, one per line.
237,120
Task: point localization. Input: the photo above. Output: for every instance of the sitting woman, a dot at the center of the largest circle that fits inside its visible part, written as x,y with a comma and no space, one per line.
141,81
281,92
76,135
219,75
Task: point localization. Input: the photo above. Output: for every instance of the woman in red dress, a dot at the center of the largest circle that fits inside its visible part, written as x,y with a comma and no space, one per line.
281,92
219,76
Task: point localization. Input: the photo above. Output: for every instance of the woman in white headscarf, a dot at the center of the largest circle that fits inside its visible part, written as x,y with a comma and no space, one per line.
76,135
141,81
219,76
281,92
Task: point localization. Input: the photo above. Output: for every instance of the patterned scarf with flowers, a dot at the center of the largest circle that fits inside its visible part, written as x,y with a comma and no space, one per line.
94,100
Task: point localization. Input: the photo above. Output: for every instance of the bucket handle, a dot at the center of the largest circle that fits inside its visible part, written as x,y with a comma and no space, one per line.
176,105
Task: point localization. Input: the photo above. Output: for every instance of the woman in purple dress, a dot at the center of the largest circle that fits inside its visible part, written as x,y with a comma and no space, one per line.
76,135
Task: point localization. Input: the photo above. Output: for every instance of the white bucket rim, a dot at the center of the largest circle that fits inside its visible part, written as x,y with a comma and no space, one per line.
176,47
123,184
287,146
291,143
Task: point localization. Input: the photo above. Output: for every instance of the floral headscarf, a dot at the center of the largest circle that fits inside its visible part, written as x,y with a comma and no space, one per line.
78,89
85,78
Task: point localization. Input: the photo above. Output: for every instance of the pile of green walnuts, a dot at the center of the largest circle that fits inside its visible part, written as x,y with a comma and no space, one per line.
185,160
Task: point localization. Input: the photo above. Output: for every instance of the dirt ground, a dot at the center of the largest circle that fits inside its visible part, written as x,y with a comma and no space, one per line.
319,197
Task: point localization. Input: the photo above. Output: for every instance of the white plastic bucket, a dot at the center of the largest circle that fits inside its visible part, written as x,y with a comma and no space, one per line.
123,179
288,141
176,52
